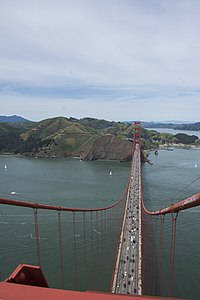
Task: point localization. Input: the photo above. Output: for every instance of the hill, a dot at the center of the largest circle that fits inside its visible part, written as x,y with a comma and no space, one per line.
9,138
12,119
88,138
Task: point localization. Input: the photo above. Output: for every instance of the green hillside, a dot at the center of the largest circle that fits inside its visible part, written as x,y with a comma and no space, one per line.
88,138
9,138
58,136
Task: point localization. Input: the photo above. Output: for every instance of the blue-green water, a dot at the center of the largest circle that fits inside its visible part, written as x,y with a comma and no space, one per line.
173,131
68,182
62,182
73,183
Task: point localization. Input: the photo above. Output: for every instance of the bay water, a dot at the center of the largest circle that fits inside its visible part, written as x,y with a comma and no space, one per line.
175,131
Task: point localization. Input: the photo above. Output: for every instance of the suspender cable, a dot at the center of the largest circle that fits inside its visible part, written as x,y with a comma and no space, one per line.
155,256
102,245
111,231
160,254
92,246
37,236
97,233
172,255
105,237
170,258
152,262
109,235
60,250
85,258
75,251
143,256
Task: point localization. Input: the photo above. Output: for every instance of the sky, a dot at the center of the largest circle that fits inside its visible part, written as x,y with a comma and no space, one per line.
108,59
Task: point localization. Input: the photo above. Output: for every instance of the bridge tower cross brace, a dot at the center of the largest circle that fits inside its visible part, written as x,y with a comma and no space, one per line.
137,133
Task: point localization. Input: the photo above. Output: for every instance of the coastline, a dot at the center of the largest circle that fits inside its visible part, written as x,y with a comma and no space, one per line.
179,146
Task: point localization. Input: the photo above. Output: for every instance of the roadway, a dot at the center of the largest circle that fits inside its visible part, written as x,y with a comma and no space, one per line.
127,275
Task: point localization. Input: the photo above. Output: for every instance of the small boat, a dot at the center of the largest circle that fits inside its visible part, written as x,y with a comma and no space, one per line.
13,193
110,173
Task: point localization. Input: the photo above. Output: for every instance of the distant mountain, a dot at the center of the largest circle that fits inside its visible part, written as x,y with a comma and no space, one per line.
13,119
162,124
188,126
175,122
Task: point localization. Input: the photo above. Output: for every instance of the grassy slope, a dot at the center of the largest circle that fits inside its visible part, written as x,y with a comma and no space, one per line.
87,137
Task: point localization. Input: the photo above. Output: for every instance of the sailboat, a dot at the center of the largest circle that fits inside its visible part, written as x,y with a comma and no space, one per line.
195,165
110,173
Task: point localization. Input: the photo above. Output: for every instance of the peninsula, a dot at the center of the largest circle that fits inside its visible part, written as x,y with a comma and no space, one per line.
87,138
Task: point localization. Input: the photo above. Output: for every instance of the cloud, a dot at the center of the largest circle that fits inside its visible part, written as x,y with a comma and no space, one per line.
112,104
62,49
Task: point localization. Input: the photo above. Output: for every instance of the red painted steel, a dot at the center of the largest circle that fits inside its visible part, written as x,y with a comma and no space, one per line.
85,252
190,202
172,254
160,254
60,250
28,282
28,275
10,291
37,236
75,251
58,208
137,133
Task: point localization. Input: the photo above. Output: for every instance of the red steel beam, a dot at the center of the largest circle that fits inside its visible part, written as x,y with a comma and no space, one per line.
190,202
57,208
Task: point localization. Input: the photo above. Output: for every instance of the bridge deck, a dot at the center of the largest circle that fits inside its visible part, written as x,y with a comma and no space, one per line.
127,275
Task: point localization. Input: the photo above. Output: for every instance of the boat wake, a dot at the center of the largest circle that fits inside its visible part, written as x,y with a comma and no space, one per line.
40,238
97,231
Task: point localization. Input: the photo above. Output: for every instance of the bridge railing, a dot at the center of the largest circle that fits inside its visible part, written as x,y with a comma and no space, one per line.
78,243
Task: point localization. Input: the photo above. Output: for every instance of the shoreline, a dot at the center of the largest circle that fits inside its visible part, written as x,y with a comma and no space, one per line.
166,147
178,146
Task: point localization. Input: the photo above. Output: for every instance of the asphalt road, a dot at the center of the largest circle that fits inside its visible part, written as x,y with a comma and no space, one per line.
128,261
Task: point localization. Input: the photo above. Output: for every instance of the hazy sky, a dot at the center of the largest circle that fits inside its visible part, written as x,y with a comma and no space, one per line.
110,59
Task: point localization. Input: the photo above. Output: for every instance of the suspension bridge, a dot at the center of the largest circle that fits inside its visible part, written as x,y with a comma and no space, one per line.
107,242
